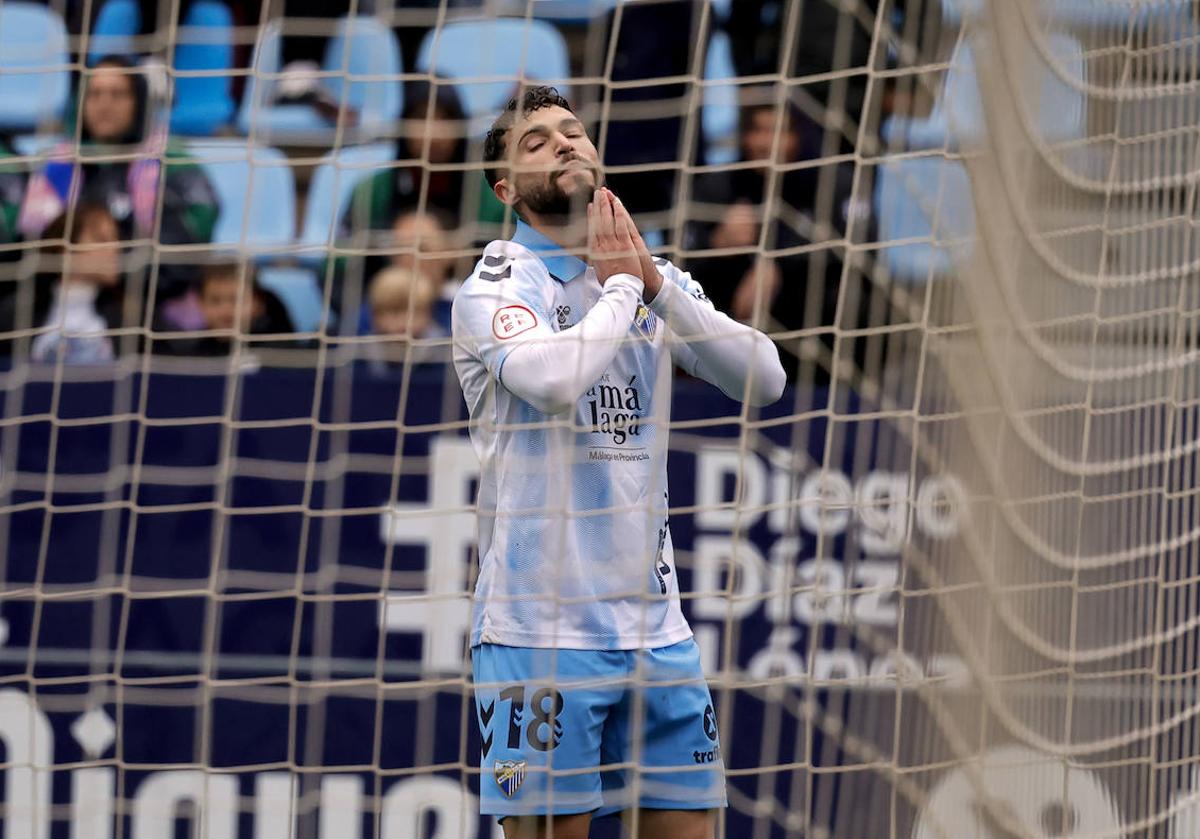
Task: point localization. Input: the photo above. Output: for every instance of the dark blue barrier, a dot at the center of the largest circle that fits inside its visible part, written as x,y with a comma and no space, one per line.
160,676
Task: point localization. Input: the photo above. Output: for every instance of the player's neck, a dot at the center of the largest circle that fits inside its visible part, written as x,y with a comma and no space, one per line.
568,232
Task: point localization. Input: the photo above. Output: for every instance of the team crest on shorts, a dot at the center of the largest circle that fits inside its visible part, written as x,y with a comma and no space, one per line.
510,774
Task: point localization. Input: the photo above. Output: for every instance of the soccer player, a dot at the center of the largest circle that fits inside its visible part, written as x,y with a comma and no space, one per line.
566,367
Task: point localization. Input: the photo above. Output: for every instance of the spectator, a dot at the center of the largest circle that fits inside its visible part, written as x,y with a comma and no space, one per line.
233,305
829,37
654,43
420,242
432,132
401,306
77,296
118,119
808,206
12,193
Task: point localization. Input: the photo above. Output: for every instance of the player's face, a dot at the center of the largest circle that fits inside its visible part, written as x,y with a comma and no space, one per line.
554,164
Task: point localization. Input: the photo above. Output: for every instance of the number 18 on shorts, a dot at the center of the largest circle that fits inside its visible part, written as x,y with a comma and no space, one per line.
576,731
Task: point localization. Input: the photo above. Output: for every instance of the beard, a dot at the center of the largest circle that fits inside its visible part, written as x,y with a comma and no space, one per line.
550,201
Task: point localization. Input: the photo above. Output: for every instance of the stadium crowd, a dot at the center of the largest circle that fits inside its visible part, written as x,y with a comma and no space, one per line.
108,236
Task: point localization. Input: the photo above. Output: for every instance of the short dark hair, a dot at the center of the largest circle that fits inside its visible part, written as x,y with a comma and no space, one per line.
534,99
227,269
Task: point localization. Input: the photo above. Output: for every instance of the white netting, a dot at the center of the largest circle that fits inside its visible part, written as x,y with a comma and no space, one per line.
945,588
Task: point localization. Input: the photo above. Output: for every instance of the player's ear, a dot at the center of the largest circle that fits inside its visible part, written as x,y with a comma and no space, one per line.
505,192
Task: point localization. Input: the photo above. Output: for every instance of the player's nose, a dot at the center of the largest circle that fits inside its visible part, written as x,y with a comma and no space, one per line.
563,144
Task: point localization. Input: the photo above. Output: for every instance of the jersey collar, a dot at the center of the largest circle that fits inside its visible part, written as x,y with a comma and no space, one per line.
563,266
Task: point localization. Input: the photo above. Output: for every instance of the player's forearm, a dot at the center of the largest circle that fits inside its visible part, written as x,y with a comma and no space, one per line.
738,359
552,373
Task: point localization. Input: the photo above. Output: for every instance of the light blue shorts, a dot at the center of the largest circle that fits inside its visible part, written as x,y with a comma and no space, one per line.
577,731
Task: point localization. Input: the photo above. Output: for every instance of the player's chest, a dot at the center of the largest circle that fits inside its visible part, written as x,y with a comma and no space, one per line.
573,301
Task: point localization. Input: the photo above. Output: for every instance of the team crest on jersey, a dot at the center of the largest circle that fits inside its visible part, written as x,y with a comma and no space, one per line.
510,774
644,321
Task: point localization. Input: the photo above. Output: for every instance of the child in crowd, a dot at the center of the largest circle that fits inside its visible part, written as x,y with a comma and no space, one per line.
233,305
401,306
77,296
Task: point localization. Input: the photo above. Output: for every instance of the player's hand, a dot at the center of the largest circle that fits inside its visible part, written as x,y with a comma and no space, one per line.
738,227
650,275
609,244
762,282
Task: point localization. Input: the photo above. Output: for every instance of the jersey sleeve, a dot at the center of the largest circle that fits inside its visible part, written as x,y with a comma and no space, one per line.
504,303
739,360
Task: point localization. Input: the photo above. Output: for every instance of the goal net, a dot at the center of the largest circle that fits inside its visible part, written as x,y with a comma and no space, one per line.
945,587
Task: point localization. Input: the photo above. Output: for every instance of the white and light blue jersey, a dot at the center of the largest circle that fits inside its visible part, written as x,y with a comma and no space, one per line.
574,545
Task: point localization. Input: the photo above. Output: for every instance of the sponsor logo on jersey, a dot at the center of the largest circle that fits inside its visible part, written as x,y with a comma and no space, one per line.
711,756
511,321
510,774
615,410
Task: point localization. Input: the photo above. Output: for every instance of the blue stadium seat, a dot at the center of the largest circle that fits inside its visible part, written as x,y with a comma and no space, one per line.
923,198
930,197
363,47
719,112
583,11
469,50
956,116
298,290
34,73
564,11
113,33
202,104
373,51
1171,17
329,193
256,189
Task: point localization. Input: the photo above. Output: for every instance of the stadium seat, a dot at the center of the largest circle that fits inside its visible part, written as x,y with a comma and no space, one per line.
202,104
329,192
957,118
298,290
366,48
582,11
719,112
257,193
113,33
30,145
34,72
466,50
930,197
923,198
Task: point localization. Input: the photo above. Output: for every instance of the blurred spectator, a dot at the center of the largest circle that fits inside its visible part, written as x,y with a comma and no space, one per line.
433,131
806,206
232,303
410,204
645,128
12,193
119,121
78,293
421,242
401,307
830,37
